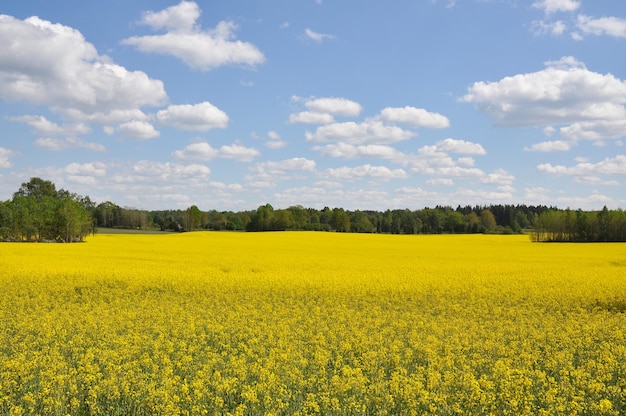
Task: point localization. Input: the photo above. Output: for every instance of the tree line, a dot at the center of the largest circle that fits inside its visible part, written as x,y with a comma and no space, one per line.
580,226
39,212
544,223
504,219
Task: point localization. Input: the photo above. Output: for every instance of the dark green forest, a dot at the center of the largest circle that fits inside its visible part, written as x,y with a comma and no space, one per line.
38,212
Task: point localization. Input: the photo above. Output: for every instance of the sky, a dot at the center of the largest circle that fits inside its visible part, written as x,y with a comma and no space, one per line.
358,104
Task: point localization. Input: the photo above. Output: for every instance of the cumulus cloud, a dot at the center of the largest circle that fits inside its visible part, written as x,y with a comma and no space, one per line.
238,152
5,154
595,130
68,143
53,65
181,17
553,6
148,171
138,130
440,182
499,177
565,92
550,146
609,166
311,117
460,146
336,106
434,160
266,174
541,27
86,169
416,117
85,173
287,165
196,151
201,49
350,151
273,135
610,26
203,151
367,132
275,141
199,117
365,171
45,127
323,110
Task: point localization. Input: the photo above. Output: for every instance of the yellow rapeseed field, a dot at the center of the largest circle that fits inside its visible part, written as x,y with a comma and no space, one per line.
300,323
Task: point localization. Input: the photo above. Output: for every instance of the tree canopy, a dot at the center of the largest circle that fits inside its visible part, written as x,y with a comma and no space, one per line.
38,212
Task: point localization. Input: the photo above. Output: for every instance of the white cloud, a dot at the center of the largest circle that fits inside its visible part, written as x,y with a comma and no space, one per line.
181,17
273,135
138,130
416,117
596,180
500,177
609,166
109,117
365,171
68,143
454,171
335,106
434,161
203,151
53,65
275,141
85,173
440,182
197,151
199,49
310,117
238,152
541,27
275,144
350,151
317,37
595,130
82,180
45,127
5,154
288,165
460,146
550,146
199,117
553,6
549,130
564,92
86,169
266,174
610,26
147,171
322,110
369,131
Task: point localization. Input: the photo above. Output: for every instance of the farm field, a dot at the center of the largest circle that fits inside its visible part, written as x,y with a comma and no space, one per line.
312,323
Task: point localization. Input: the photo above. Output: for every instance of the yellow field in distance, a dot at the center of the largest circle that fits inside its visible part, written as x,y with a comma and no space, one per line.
312,323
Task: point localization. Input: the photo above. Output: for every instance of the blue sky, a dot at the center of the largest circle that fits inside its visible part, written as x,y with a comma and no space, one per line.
353,104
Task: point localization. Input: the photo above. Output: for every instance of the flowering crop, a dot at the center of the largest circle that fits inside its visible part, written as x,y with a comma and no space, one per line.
312,323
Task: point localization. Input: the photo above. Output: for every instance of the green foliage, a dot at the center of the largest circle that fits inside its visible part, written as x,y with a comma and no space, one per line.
580,226
38,212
